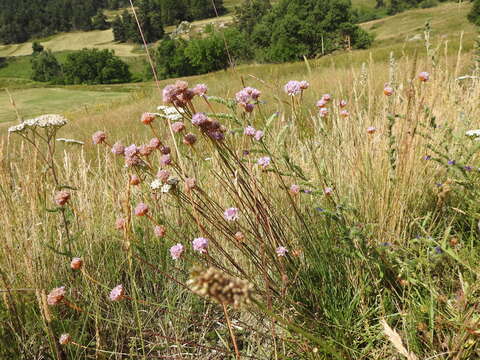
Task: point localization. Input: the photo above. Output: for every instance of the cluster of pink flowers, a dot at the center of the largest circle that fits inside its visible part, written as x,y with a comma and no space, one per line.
281,251
99,137
56,296
247,98
200,244
180,95
62,197
256,134
117,293
323,111
211,127
176,251
388,90
231,214
294,87
264,162
295,189
141,209
424,76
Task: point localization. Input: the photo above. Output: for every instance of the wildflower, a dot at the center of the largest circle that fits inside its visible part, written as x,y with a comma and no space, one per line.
178,127
294,189
252,92
239,236
190,184
281,251
118,148
156,184
76,263
323,112
64,339
424,76
132,161
304,84
200,244
165,160
321,103
224,289
427,157
166,188
56,296
343,103
159,231
344,113
155,143
120,223
169,93
145,150
231,214
438,250
141,209
163,175
189,139
165,150
473,133
388,90
176,251
199,119
327,97
468,168
244,96
147,118
259,135
200,89
43,121
62,197
249,107
134,180
99,137
264,162
117,293
371,130
249,131
131,151
293,88
451,162
328,191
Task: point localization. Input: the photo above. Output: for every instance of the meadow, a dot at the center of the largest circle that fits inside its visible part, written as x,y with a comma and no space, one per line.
332,220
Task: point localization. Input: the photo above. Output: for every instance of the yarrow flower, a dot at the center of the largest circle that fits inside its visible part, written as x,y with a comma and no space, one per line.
99,137
56,296
117,293
200,244
264,162
281,251
62,197
156,184
176,251
141,209
231,214
44,121
424,76
76,263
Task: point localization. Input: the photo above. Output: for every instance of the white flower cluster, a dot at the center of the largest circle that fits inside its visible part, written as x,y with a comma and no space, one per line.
474,133
156,184
71,141
170,113
43,121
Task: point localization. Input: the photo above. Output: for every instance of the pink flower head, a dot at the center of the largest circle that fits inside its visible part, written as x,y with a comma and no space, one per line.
145,150
165,160
293,88
371,130
343,103
249,107
181,85
147,118
199,119
242,97
189,139
118,148
294,189
328,191
76,263
56,296
304,84
231,214
120,223
117,293
141,209
264,162
131,151
65,339
323,112
281,251
159,231
252,92
424,76
344,113
259,135
99,137
134,180
169,93
155,143
388,90
176,251
249,131
190,184
321,103
200,244
200,89
327,97
165,150
178,127
163,175
62,197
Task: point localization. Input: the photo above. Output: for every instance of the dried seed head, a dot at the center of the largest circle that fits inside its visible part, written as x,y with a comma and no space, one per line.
56,296
224,289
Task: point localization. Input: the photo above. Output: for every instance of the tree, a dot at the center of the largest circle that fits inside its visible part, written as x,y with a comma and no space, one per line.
250,13
45,68
474,14
118,28
99,21
36,48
